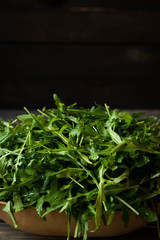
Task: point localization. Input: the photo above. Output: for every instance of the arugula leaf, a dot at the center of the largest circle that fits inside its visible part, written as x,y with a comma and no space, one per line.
8,209
147,214
86,162
114,136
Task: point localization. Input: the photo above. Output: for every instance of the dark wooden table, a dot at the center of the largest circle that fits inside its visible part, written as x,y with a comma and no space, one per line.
8,233
83,50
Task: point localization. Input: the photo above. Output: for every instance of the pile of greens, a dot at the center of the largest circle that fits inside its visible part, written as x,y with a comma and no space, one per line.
86,162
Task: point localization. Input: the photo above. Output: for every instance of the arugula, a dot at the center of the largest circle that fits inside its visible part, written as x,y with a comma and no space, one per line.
86,162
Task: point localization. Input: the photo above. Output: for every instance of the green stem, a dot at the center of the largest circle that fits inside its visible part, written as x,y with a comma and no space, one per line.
127,205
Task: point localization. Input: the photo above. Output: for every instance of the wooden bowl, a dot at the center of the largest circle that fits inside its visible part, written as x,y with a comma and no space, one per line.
56,223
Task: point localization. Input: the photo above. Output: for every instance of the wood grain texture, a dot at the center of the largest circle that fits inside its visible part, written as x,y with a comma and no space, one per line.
80,27
8,233
83,50
116,92
67,4
122,76
78,60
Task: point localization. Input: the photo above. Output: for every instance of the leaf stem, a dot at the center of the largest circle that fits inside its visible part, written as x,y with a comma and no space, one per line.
127,205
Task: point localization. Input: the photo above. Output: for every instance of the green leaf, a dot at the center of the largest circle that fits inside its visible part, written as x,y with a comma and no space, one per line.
141,161
8,209
61,106
127,117
39,206
100,198
18,205
114,136
87,162
125,215
89,131
147,214
68,172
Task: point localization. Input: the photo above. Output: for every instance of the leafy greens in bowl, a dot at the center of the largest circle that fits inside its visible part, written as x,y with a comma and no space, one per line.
84,162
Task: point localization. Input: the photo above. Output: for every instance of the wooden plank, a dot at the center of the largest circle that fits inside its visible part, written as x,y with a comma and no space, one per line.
116,4
62,4
124,76
8,233
78,61
83,27
140,93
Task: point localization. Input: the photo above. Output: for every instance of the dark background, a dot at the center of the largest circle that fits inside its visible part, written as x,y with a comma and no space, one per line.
83,50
